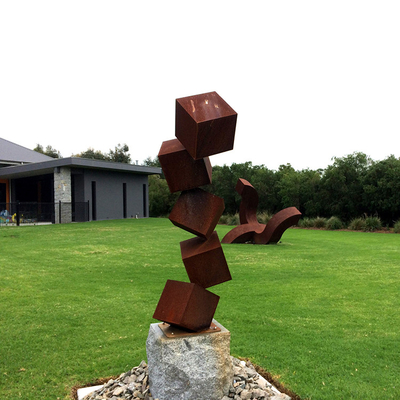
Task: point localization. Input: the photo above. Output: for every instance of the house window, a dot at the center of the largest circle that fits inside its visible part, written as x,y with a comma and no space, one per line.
94,203
124,199
144,200
3,193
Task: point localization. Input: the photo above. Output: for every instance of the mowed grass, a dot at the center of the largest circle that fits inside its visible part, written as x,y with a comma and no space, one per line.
319,311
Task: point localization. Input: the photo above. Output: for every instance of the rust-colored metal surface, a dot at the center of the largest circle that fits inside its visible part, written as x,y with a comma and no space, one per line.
172,331
249,203
243,233
253,231
205,124
186,305
205,261
197,212
181,171
277,225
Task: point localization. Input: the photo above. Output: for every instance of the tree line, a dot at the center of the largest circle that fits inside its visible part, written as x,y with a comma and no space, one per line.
119,154
351,187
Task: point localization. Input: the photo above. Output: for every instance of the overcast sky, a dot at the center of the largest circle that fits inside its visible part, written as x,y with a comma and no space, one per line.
310,80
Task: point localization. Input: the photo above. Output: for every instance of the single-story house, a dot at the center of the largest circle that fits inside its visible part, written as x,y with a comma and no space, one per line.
77,189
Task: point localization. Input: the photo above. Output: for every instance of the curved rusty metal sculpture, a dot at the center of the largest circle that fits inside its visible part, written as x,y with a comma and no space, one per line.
249,203
277,225
250,230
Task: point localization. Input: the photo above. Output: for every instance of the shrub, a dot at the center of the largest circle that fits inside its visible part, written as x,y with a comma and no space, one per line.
397,226
223,219
264,217
233,219
229,219
357,224
306,222
334,223
320,222
372,224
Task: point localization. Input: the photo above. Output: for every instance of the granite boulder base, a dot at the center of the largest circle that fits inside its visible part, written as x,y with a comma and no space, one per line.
196,366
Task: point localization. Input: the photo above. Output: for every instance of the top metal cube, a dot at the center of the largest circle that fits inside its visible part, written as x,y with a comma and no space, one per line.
205,124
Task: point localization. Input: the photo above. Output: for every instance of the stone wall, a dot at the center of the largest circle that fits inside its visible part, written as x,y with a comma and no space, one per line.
62,192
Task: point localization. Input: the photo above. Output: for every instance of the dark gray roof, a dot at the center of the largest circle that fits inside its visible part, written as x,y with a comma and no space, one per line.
47,167
11,153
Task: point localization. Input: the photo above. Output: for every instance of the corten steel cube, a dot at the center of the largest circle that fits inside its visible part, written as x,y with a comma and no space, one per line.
186,305
205,124
197,212
181,171
205,261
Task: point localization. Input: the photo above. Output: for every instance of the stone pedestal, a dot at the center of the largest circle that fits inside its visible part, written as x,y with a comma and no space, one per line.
195,366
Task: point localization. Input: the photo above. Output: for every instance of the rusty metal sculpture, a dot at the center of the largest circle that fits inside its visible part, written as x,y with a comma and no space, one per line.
197,211
205,125
250,230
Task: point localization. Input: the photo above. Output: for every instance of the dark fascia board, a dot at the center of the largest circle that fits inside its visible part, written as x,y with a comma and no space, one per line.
47,167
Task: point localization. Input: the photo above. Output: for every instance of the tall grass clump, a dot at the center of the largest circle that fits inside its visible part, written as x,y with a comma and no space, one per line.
372,224
306,222
320,222
334,223
264,217
396,226
229,219
357,224
223,220
233,219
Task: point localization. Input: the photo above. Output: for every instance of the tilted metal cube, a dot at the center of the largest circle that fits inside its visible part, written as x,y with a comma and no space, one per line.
197,212
205,261
205,124
181,171
186,305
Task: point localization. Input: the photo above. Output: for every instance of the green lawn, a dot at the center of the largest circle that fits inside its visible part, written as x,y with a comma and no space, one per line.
320,311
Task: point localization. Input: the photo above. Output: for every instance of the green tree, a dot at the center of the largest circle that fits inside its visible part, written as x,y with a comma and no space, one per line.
288,186
161,200
310,202
50,151
223,185
92,154
149,162
382,189
120,154
265,182
39,148
300,189
342,186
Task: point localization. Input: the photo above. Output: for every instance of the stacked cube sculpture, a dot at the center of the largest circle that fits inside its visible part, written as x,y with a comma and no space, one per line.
205,125
250,230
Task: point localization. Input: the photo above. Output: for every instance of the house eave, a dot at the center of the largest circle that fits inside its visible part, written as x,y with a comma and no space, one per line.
47,167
